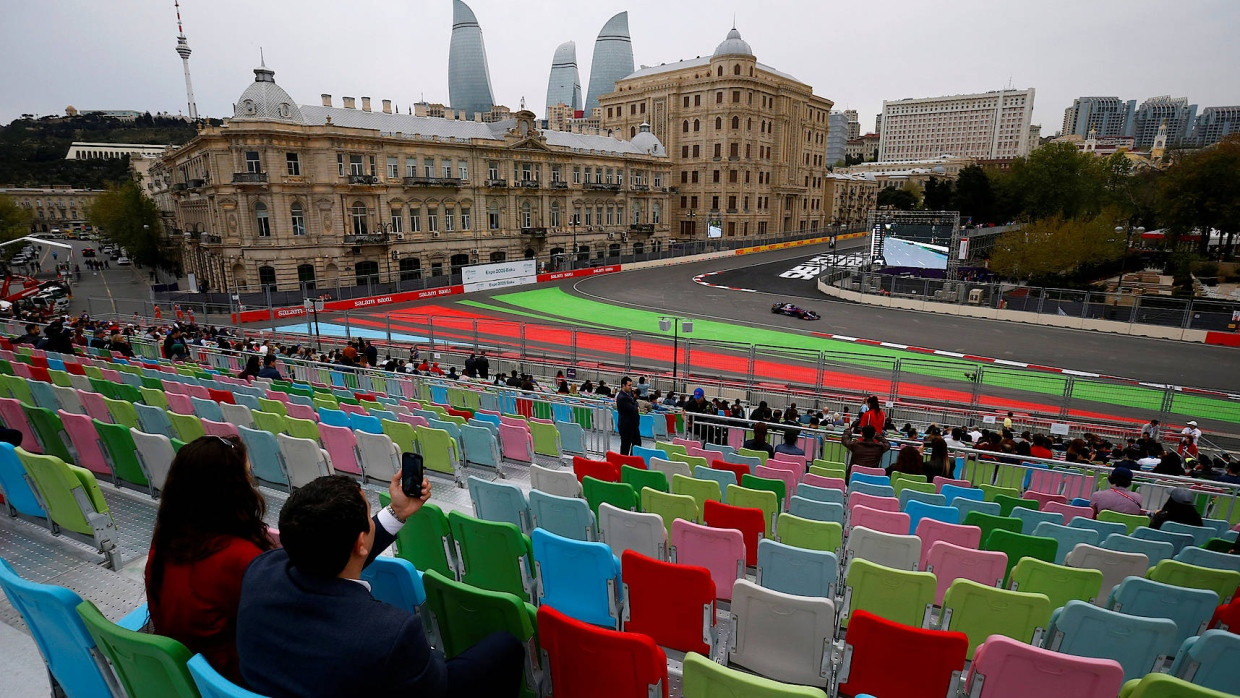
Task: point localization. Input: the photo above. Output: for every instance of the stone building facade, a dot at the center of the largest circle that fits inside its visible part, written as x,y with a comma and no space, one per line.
747,143
283,194
850,198
56,208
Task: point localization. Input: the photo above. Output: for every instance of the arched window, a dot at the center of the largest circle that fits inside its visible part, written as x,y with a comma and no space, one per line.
305,276
697,126
656,213
736,69
298,219
527,218
632,131
358,214
410,269
613,250
267,277
639,248
718,122
637,214
493,215
736,122
457,262
719,71
366,271
499,256
555,214
262,222
684,127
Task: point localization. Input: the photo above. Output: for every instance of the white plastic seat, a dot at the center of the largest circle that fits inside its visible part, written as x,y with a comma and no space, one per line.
380,457
630,530
782,636
562,483
155,453
1114,565
306,460
891,550
237,414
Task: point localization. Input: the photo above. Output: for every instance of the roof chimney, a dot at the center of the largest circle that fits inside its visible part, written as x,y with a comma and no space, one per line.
348,102
387,106
327,100
365,104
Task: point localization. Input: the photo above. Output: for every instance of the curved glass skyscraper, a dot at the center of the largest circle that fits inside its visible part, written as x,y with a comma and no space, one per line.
469,81
564,86
613,59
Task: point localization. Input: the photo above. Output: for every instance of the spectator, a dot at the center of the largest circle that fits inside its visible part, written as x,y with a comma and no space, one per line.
909,461
1007,421
1233,473
483,366
208,529
1169,464
174,345
471,365
31,337
602,389
700,408
869,450
758,442
1188,439
939,464
372,355
308,625
670,400
587,387
1117,497
789,445
1150,431
641,389
873,415
99,340
1178,508
761,413
628,419
1040,447
791,415
120,345
957,439
252,368
269,368
452,374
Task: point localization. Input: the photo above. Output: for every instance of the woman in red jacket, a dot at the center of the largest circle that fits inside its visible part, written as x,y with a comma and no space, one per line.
208,529
873,416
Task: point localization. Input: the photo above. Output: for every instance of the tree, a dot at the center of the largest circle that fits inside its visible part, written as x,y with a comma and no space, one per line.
939,195
131,219
1202,191
14,220
900,199
1057,246
1057,180
975,198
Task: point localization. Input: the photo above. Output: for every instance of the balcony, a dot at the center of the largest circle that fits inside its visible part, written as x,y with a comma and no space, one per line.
558,184
529,184
363,179
207,239
451,182
366,239
497,183
643,228
601,186
641,187
179,186
534,232
248,178
197,183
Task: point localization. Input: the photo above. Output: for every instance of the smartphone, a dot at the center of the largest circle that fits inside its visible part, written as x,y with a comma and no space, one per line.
411,474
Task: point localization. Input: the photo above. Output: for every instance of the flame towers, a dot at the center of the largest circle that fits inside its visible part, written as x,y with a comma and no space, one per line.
564,86
469,81
613,59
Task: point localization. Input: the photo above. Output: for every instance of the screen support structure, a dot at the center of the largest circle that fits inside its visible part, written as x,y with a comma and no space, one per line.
943,225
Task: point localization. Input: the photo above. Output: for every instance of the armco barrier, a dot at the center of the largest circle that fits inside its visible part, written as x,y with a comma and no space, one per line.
295,311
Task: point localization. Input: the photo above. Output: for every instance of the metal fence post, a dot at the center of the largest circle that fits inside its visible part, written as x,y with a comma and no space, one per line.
753,365
572,346
895,381
430,333
974,398
819,375
688,349
388,322
348,330
628,350
1068,384
475,335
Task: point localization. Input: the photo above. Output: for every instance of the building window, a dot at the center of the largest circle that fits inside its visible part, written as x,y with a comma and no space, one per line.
398,221
446,167
449,219
293,164
611,212
719,72
555,214
267,278
589,216
695,177
411,167
465,218
355,164
656,213
428,167
718,123
732,203
736,96
684,177
718,98
458,261
686,101
684,127
432,219
436,268
715,176
527,172
260,218
393,168
499,256
734,150
493,216
415,220
298,219
305,276
462,169
557,173
527,218
736,122
576,175
252,163
718,150
736,69
697,150
684,151
732,176
366,272
697,125
410,269
693,202
358,214
492,170
714,203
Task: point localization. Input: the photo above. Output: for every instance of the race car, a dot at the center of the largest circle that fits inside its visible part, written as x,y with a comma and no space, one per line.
794,311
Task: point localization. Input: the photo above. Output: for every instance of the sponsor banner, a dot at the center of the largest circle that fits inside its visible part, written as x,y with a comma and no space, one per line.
500,283
797,243
480,273
372,301
577,273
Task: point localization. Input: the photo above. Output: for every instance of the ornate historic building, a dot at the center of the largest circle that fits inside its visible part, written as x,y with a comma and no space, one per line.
54,208
748,143
283,194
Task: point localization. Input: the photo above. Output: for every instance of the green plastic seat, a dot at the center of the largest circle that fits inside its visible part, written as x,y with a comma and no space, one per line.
691,461
122,453
1131,521
60,378
426,539
760,455
990,522
402,434
700,490
464,615
618,494
1007,504
670,507
493,555
300,428
902,596
187,426
123,412
1221,582
1018,545
1010,477
440,452
153,397
104,387
275,424
833,450
992,491
56,482
272,406
1156,685
546,438
18,389
980,611
1218,545
1060,584
809,534
51,432
779,487
899,484
840,473
638,478
146,664
671,448
92,371
152,383
765,500
128,393
706,679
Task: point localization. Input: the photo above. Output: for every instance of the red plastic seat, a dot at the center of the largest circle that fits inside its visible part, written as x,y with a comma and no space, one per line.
40,373
586,660
452,411
600,469
927,658
669,602
619,460
74,369
738,469
1227,617
224,396
38,361
369,397
750,522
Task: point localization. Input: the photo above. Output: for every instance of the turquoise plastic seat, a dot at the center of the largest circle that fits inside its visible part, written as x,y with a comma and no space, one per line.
333,418
266,460
1138,644
794,570
395,581
1190,609
1192,555
723,477
1030,518
967,505
871,488
647,453
1104,528
579,579
480,446
1178,540
820,494
1211,660
818,511
858,478
920,510
1156,551
20,499
207,409
1200,534
212,684
366,423
911,495
572,437
1067,536
499,501
951,492
570,517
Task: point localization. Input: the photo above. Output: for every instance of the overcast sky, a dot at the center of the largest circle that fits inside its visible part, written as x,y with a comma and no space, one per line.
120,54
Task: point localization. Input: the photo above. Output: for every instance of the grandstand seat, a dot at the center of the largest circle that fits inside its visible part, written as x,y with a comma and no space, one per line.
401,434
1201,557
1067,538
122,455
990,522
597,469
1114,565
187,426
155,453
479,446
720,550
546,438
441,452
618,494
492,555
1030,518
796,570
893,522
396,582
872,501
1130,521
816,510
809,534
637,478
1211,660
825,482
625,530
1008,503
647,453
304,459
365,422
585,660
670,468
1166,686
706,679
1104,528
341,445
931,661
1178,540
579,578
822,489
564,516
145,664
907,495
1043,498
378,456
69,400
499,501
871,489
723,477
1221,582
276,424
898,551
238,415
562,483
84,441
751,522
902,596
738,470
784,637
213,428
980,610
950,562
672,603
1156,551
859,477
931,531
212,684
1059,583
917,511
1085,630
1018,545
49,430
1004,667
207,409
700,490
670,507
952,491
1189,608
1200,534
969,506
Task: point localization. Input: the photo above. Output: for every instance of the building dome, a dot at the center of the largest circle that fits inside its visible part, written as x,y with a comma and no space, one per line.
264,100
734,45
647,142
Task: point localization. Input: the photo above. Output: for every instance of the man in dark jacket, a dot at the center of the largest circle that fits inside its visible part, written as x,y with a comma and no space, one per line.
628,417
483,366
869,450
308,626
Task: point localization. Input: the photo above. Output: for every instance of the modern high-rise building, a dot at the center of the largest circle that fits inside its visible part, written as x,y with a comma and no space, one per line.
564,85
1177,114
1216,123
988,125
469,80
613,59
854,126
1102,116
837,136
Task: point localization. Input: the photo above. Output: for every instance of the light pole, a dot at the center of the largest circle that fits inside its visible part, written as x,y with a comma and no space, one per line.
676,325
573,259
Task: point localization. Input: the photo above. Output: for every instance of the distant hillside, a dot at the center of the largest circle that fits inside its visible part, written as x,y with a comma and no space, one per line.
32,151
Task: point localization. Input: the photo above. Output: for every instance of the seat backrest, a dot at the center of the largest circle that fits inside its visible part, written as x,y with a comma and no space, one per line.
1156,551
582,659
499,501
1222,582
1018,545
930,659
213,428
670,468
868,488
564,516
795,570
951,492
1192,555
147,665
1086,630
931,531
341,445
1104,528
751,522
579,578
873,501
380,457
908,494
700,490
720,550
1178,540
365,422
68,650
782,636
950,562
518,444
1060,584
1008,668
235,414
1157,685
638,478
723,477
825,481
894,522
155,453
558,482
624,530
617,494
86,444
991,522
979,611
903,596
706,679
1114,565
672,603
1189,608
1211,660
670,507
1030,518
1067,537
1130,521
211,683
207,409
187,426
816,510
898,551
1069,511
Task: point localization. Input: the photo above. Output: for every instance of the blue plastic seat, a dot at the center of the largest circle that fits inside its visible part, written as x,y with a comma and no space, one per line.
723,449
68,650
1030,518
564,516
579,579
920,510
1067,536
246,399
872,479
647,453
1156,551
954,491
967,505
1104,528
1138,644
645,425
44,395
910,495
794,570
19,497
723,477
366,423
154,420
815,510
572,437
1189,608
820,494
453,429
395,581
1211,660
480,446
1200,534
266,460
1201,557
207,409
499,501
333,418
212,684
383,414
480,416
740,459
485,424
1178,540
871,488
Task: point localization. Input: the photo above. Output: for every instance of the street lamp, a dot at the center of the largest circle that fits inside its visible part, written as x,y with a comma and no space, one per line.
677,325
573,259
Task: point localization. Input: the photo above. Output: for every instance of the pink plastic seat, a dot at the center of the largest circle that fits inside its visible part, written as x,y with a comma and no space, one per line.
300,411
1044,498
341,446
1069,512
112,375
352,409
788,477
833,483
22,370
98,409
950,562
875,502
177,387
687,443
701,453
197,391
14,417
517,443
179,403
219,428
720,550
1013,669
513,421
868,471
931,531
783,460
940,481
413,419
1048,481
410,404
277,395
893,522
736,437
1078,485
85,440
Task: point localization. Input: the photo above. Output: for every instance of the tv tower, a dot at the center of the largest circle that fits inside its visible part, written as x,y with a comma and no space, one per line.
183,51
